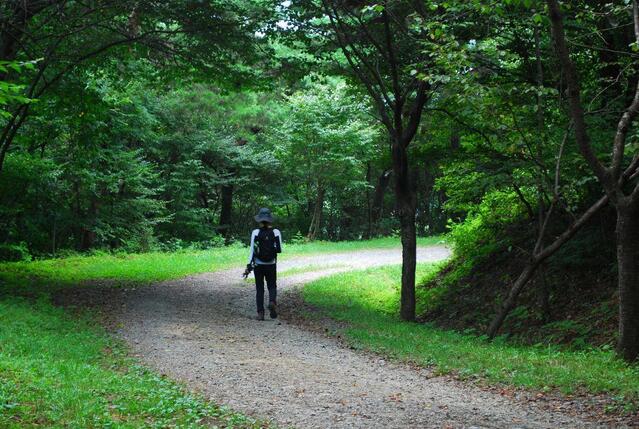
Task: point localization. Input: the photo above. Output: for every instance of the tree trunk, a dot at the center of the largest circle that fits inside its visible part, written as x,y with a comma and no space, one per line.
511,299
409,260
316,221
406,203
226,211
378,199
369,228
429,184
628,266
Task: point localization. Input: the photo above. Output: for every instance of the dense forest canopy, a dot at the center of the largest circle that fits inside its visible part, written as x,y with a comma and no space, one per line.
137,126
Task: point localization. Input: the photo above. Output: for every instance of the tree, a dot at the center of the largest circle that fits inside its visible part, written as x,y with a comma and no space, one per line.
387,50
97,189
207,145
61,36
618,180
326,140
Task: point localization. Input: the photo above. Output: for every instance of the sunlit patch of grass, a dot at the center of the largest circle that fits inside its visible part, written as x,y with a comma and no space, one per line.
158,266
346,246
368,301
312,268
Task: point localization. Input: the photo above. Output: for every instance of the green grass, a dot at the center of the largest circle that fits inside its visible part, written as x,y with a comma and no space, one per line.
63,371
308,269
348,246
158,266
368,302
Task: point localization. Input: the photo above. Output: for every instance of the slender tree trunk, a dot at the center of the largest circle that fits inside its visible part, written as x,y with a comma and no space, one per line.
409,260
406,203
628,267
226,211
511,299
316,222
429,184
543,288
369,228
377,207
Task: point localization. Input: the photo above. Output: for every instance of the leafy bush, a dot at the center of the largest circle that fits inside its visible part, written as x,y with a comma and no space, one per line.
142,242
479,235
430,297
14,252
176,244
298,238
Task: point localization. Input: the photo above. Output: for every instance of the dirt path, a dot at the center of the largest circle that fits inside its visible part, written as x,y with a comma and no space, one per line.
200,330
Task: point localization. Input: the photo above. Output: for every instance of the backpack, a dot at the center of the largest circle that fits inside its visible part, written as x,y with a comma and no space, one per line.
267,246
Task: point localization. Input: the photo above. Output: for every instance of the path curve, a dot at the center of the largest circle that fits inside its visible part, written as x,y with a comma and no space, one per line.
200,330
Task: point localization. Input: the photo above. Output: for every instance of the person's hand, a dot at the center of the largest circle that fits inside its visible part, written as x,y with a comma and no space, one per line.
248,270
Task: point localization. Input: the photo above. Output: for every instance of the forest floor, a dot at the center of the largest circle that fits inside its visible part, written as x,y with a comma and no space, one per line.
201,330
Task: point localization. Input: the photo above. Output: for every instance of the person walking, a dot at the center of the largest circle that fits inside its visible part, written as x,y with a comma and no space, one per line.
266,243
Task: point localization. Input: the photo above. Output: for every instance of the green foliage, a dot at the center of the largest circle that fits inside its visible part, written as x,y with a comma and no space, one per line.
368,300
12,94
14,252
28,184
205,140
325,134
481,233
137,166
324,140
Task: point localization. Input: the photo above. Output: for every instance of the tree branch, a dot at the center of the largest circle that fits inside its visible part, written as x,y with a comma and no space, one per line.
415,115
628,116
392,62
574,95
361,57
344,45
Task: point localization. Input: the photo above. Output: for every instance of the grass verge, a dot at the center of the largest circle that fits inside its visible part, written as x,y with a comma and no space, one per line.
158,266
368,302
308,269
62,371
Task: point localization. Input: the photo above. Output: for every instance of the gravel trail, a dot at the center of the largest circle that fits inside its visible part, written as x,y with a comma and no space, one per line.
201,330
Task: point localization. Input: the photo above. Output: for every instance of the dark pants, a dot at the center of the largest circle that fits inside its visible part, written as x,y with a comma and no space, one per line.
268,272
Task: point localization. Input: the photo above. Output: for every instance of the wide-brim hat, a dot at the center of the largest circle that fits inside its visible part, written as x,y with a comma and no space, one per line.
264,215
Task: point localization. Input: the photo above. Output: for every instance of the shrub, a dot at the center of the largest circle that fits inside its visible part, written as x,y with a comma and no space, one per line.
482,232
14,252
